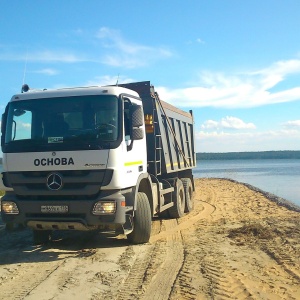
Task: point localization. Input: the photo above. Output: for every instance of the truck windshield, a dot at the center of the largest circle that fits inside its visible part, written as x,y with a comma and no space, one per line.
63,123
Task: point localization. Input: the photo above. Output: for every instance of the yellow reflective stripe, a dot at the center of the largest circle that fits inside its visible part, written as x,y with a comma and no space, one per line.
131,163
169,165
174,164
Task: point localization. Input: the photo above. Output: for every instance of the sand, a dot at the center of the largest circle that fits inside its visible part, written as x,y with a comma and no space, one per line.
238,243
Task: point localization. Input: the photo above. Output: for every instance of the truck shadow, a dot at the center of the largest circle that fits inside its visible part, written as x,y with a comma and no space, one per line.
17,247
79,240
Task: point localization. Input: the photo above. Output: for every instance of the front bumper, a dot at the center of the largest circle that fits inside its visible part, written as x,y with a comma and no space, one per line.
78,217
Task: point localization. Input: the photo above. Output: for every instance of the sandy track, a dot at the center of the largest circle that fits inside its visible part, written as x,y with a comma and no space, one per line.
236,244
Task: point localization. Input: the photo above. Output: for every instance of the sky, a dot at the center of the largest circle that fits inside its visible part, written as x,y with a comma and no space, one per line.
235,63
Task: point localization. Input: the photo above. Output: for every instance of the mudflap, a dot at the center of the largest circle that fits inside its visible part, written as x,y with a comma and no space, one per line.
128,226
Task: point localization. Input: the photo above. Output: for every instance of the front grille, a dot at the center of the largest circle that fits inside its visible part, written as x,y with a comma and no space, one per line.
67,186
77,183
57,197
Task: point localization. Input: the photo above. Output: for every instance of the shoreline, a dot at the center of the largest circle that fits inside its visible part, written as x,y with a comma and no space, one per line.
272,197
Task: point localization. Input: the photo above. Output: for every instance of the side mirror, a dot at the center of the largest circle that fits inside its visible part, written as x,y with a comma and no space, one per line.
137,134
2,123
3,128
137,120
19,112
137,116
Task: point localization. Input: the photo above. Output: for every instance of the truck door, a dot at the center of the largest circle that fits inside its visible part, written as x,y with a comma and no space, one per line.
135,155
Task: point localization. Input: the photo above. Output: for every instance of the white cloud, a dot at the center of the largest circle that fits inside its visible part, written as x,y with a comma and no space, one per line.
26,125
115,51
217,141
227,123
50,72
108,80
123,53
242,90
200,41
292,124
56,56
197,40
45,56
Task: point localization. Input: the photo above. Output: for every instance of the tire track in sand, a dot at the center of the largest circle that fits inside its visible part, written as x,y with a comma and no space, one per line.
206,271
172,263
28,277
187,284
284,260
186,222
153,275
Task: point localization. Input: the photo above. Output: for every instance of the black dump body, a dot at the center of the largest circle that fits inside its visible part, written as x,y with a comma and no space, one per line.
170,133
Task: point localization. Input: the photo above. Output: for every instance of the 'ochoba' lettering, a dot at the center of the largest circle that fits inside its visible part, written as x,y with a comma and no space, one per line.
53,161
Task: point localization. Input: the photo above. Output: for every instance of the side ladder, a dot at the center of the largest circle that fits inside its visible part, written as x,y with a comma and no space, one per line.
157,145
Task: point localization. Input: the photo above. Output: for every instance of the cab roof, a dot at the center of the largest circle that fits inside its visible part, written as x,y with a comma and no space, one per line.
74,91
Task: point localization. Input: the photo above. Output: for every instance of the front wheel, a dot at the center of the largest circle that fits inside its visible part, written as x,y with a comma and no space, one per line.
141,221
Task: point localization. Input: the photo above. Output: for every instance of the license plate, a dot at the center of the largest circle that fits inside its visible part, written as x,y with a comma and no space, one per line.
54,209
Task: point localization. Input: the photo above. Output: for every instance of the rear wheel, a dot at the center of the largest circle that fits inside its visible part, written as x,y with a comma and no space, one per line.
178,197
188,190
41,236
141,221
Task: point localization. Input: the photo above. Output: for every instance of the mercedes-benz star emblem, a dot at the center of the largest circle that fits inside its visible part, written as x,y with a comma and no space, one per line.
54,182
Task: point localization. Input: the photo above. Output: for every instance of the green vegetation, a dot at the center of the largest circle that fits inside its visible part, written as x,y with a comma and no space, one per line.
249,155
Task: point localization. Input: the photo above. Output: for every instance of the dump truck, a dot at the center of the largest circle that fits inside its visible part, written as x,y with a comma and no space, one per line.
107,158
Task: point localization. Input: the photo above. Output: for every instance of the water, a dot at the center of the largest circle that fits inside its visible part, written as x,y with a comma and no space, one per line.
277,176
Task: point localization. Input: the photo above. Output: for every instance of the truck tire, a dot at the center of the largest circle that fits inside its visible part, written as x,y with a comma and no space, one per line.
188,190
41,236
141,221
178,197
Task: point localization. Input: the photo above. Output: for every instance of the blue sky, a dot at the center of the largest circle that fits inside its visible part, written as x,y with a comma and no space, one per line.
236,64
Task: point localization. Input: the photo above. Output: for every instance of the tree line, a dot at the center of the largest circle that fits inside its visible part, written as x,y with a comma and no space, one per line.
249,155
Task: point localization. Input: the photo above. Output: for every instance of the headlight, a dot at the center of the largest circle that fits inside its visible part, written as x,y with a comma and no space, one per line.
9,207
104,207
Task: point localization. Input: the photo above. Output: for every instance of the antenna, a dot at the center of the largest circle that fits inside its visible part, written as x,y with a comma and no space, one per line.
25,67
118,80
